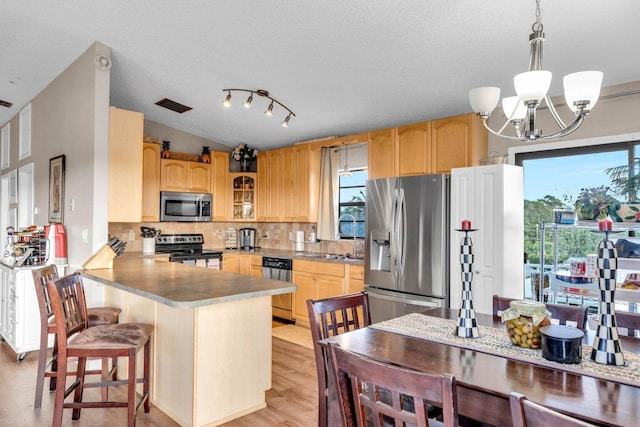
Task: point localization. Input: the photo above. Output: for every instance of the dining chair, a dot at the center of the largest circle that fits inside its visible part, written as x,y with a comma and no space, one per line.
97,316
525,413
329,317
562,314
358,383
76,339
629,322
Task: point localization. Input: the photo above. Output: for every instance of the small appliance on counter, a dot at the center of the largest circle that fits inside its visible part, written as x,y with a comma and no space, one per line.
187,249
230,238
247,239
57,242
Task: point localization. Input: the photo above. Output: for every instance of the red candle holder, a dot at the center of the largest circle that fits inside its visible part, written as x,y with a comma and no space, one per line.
466,224
605,224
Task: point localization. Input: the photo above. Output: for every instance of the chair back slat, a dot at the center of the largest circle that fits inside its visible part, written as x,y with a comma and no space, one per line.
561,314
373,393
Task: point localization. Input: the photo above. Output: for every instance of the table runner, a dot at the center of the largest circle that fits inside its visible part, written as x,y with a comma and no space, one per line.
495,341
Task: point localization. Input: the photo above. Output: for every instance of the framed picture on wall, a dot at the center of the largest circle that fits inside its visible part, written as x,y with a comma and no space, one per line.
56,189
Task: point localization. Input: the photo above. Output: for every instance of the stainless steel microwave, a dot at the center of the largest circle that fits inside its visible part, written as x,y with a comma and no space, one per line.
185,207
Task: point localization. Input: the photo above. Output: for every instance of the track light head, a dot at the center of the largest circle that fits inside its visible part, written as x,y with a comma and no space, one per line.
285,123
248,102
227,100
269,109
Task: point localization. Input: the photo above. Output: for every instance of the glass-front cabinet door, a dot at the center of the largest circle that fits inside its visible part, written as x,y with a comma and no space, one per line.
243,203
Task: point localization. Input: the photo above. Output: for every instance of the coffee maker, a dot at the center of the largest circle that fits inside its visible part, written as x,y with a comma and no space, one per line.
247,238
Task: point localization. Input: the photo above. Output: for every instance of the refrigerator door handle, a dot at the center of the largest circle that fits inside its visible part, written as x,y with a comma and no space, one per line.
411,301
394,233
401,234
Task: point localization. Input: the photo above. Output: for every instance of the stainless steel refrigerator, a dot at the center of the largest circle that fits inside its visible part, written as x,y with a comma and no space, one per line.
407,244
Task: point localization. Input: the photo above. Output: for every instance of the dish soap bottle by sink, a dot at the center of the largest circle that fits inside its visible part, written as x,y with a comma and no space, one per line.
312,235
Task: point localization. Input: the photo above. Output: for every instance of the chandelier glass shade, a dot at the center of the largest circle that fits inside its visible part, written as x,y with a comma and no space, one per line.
263,93
581,92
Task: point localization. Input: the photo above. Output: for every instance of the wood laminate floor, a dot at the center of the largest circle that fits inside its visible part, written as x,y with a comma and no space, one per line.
292,400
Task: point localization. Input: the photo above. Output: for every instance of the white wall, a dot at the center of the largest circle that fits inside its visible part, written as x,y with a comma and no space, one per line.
71,117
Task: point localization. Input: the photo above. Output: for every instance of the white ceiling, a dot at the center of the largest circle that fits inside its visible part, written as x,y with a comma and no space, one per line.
342,66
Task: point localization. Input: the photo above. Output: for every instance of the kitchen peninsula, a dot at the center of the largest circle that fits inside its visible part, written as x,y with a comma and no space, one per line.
211,347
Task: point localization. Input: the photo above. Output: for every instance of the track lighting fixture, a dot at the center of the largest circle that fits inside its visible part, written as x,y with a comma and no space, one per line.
264,94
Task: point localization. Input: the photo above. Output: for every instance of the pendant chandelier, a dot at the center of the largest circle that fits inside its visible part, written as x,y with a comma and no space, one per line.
581,92
264,94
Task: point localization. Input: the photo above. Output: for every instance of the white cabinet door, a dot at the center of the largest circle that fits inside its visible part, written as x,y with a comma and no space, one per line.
19,312
4,300
27,313
491,197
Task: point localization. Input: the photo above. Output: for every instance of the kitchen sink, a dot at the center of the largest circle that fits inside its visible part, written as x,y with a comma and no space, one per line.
327,256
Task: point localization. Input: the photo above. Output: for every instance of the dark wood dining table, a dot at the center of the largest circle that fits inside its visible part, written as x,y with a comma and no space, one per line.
485,380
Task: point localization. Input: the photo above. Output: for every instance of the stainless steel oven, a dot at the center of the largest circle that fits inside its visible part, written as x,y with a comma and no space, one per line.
279,269
187,249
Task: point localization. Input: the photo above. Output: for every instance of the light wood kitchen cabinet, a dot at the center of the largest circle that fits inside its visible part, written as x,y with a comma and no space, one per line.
315,280
199,177
262,191
382,153
243,196
244,264
274,185
256,265
231,263
457,142
183,175
356,278
151,182
288,186
125,165
413,154
306,182
220,185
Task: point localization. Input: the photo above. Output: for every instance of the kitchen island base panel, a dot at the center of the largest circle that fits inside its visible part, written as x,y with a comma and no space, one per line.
215,360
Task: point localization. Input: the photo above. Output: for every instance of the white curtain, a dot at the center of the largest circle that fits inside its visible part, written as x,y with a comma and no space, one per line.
328,197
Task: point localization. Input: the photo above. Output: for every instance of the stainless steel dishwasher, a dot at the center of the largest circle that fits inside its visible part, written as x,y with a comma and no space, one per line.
279,269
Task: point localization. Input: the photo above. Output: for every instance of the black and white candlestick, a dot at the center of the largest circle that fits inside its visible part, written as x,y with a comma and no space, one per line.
606,343
466,324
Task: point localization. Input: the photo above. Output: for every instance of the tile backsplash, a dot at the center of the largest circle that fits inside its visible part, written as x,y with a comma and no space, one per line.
268,235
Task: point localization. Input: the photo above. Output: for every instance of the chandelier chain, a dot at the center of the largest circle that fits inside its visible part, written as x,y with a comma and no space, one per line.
537,26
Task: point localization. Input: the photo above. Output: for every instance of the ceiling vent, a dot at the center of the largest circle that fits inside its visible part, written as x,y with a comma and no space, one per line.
173,105
5,104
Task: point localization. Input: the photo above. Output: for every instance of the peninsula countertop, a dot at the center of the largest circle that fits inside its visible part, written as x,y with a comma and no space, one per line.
183,286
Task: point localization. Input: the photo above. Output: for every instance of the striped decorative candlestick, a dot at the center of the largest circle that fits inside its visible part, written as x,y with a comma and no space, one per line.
606,344
466,324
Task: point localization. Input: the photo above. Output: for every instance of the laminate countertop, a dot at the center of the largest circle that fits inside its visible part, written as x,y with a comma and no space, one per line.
182,286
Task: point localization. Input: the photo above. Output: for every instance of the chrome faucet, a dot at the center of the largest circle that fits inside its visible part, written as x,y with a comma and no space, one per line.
354,230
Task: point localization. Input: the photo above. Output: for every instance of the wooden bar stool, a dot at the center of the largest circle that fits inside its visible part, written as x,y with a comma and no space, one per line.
97,316
76,339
